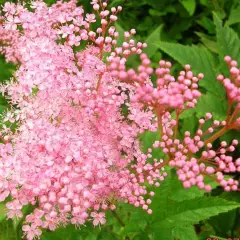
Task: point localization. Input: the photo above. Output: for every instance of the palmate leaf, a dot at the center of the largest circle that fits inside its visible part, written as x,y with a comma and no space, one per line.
200,59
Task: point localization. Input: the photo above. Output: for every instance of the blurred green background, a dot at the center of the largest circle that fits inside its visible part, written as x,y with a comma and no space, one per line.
182,31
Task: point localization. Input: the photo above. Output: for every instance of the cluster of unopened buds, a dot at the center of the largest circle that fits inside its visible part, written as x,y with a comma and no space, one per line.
212,164
67,148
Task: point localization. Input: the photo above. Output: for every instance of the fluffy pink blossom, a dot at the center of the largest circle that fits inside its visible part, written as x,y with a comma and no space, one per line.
90,18
98,218
74,152
31,232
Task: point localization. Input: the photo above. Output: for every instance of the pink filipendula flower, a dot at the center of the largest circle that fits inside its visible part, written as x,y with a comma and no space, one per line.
74,152
90,18
31,232
98,218
14,209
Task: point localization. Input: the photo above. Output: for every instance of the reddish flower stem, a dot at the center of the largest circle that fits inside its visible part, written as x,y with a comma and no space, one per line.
216,135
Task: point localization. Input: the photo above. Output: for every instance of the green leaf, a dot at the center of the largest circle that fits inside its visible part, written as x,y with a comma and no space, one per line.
234,16
147,140
163,12
162,232
153,37
159,5
162,197
6,70
121,34
66,233
2,212
196,210
7,231
228,42
210,103
200,59
187,113
189,5
184,233
208,43
220,224
188,124
207,24
115,3
179,193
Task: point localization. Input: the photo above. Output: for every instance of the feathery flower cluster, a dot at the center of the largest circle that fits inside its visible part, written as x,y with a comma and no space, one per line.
73,153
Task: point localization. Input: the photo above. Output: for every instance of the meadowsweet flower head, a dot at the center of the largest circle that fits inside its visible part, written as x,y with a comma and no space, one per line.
74,152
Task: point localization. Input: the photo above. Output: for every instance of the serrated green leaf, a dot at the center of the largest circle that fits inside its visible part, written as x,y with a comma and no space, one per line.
153,37
220,224
196,210
208,43
200,59
173,232
207,24
189,5
184,233
210,103
234,16
228,42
